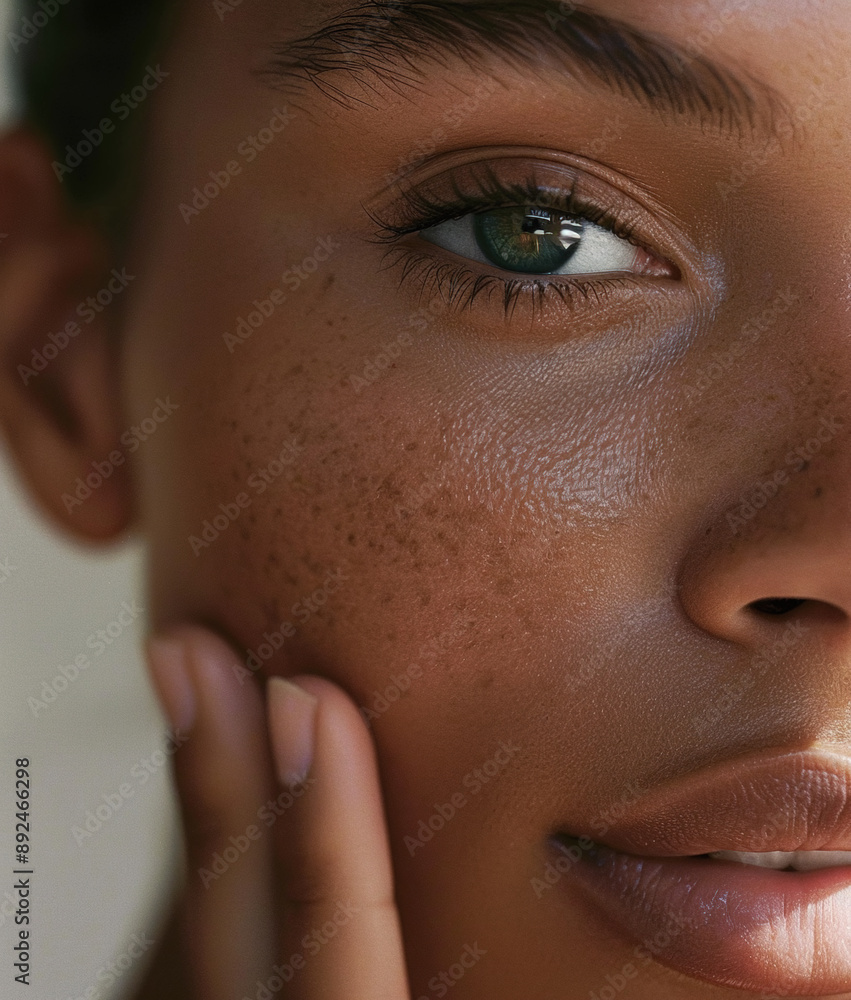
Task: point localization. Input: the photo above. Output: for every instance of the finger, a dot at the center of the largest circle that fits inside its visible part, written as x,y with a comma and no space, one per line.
342,934
224,776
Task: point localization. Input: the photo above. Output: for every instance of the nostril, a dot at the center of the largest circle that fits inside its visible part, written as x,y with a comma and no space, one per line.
777,605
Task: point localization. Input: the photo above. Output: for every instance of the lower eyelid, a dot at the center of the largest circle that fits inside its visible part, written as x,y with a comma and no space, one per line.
446,278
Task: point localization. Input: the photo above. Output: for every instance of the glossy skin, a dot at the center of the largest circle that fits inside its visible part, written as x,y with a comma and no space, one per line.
536,515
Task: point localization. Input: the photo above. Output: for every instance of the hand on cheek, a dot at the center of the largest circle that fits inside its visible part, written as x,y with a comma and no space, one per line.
290,883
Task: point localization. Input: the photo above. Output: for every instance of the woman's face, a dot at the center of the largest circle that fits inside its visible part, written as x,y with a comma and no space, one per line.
525,517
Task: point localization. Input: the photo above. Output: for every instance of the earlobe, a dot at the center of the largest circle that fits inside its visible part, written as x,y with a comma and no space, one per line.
59,406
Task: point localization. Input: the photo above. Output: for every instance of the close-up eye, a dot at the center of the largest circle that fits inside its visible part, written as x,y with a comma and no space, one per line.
515,231
537,241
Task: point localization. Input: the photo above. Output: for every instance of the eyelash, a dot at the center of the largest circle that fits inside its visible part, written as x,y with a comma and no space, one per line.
460,286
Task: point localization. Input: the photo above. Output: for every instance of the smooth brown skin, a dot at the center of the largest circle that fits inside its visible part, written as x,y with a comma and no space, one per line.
575,537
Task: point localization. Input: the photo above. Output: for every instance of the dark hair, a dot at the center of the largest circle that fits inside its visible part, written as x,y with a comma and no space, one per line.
72,59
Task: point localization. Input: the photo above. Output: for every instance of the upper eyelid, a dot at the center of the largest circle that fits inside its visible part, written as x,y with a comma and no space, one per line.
595,175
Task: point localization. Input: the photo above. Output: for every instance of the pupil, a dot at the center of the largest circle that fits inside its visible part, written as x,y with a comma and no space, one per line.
529,240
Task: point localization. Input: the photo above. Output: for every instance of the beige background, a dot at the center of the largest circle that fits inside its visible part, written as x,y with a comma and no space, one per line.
88,899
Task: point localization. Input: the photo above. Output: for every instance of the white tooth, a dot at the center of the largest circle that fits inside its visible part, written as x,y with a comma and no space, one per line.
802,861
810,861
769,859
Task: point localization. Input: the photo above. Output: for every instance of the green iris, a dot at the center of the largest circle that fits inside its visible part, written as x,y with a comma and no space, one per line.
530,240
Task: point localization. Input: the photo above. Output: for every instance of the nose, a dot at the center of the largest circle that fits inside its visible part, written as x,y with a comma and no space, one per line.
782,550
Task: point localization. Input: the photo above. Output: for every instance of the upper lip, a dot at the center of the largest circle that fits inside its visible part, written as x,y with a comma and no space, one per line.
766,802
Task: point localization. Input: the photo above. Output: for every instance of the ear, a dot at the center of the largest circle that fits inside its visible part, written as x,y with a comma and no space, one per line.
59,405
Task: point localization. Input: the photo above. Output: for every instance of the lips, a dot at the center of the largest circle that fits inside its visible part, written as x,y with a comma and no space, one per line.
793,802
719,920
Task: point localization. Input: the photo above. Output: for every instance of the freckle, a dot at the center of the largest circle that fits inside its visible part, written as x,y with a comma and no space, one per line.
818,492
411,447
329,281
246,439
252,519
316,510
351,540
425,599
295,371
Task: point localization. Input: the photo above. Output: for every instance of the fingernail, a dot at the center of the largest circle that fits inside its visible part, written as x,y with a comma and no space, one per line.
170,674
292,716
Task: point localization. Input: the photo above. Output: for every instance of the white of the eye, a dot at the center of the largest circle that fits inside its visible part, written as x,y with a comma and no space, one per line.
601,251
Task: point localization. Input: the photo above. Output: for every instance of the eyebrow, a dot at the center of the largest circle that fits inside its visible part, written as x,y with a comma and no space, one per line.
394,42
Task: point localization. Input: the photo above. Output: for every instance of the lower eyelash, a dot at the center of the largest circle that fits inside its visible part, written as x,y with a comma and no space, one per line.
459,286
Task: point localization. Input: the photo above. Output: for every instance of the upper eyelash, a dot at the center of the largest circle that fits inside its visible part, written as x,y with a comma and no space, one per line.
418,210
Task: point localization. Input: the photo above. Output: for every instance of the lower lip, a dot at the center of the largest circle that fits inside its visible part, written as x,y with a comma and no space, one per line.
726,923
